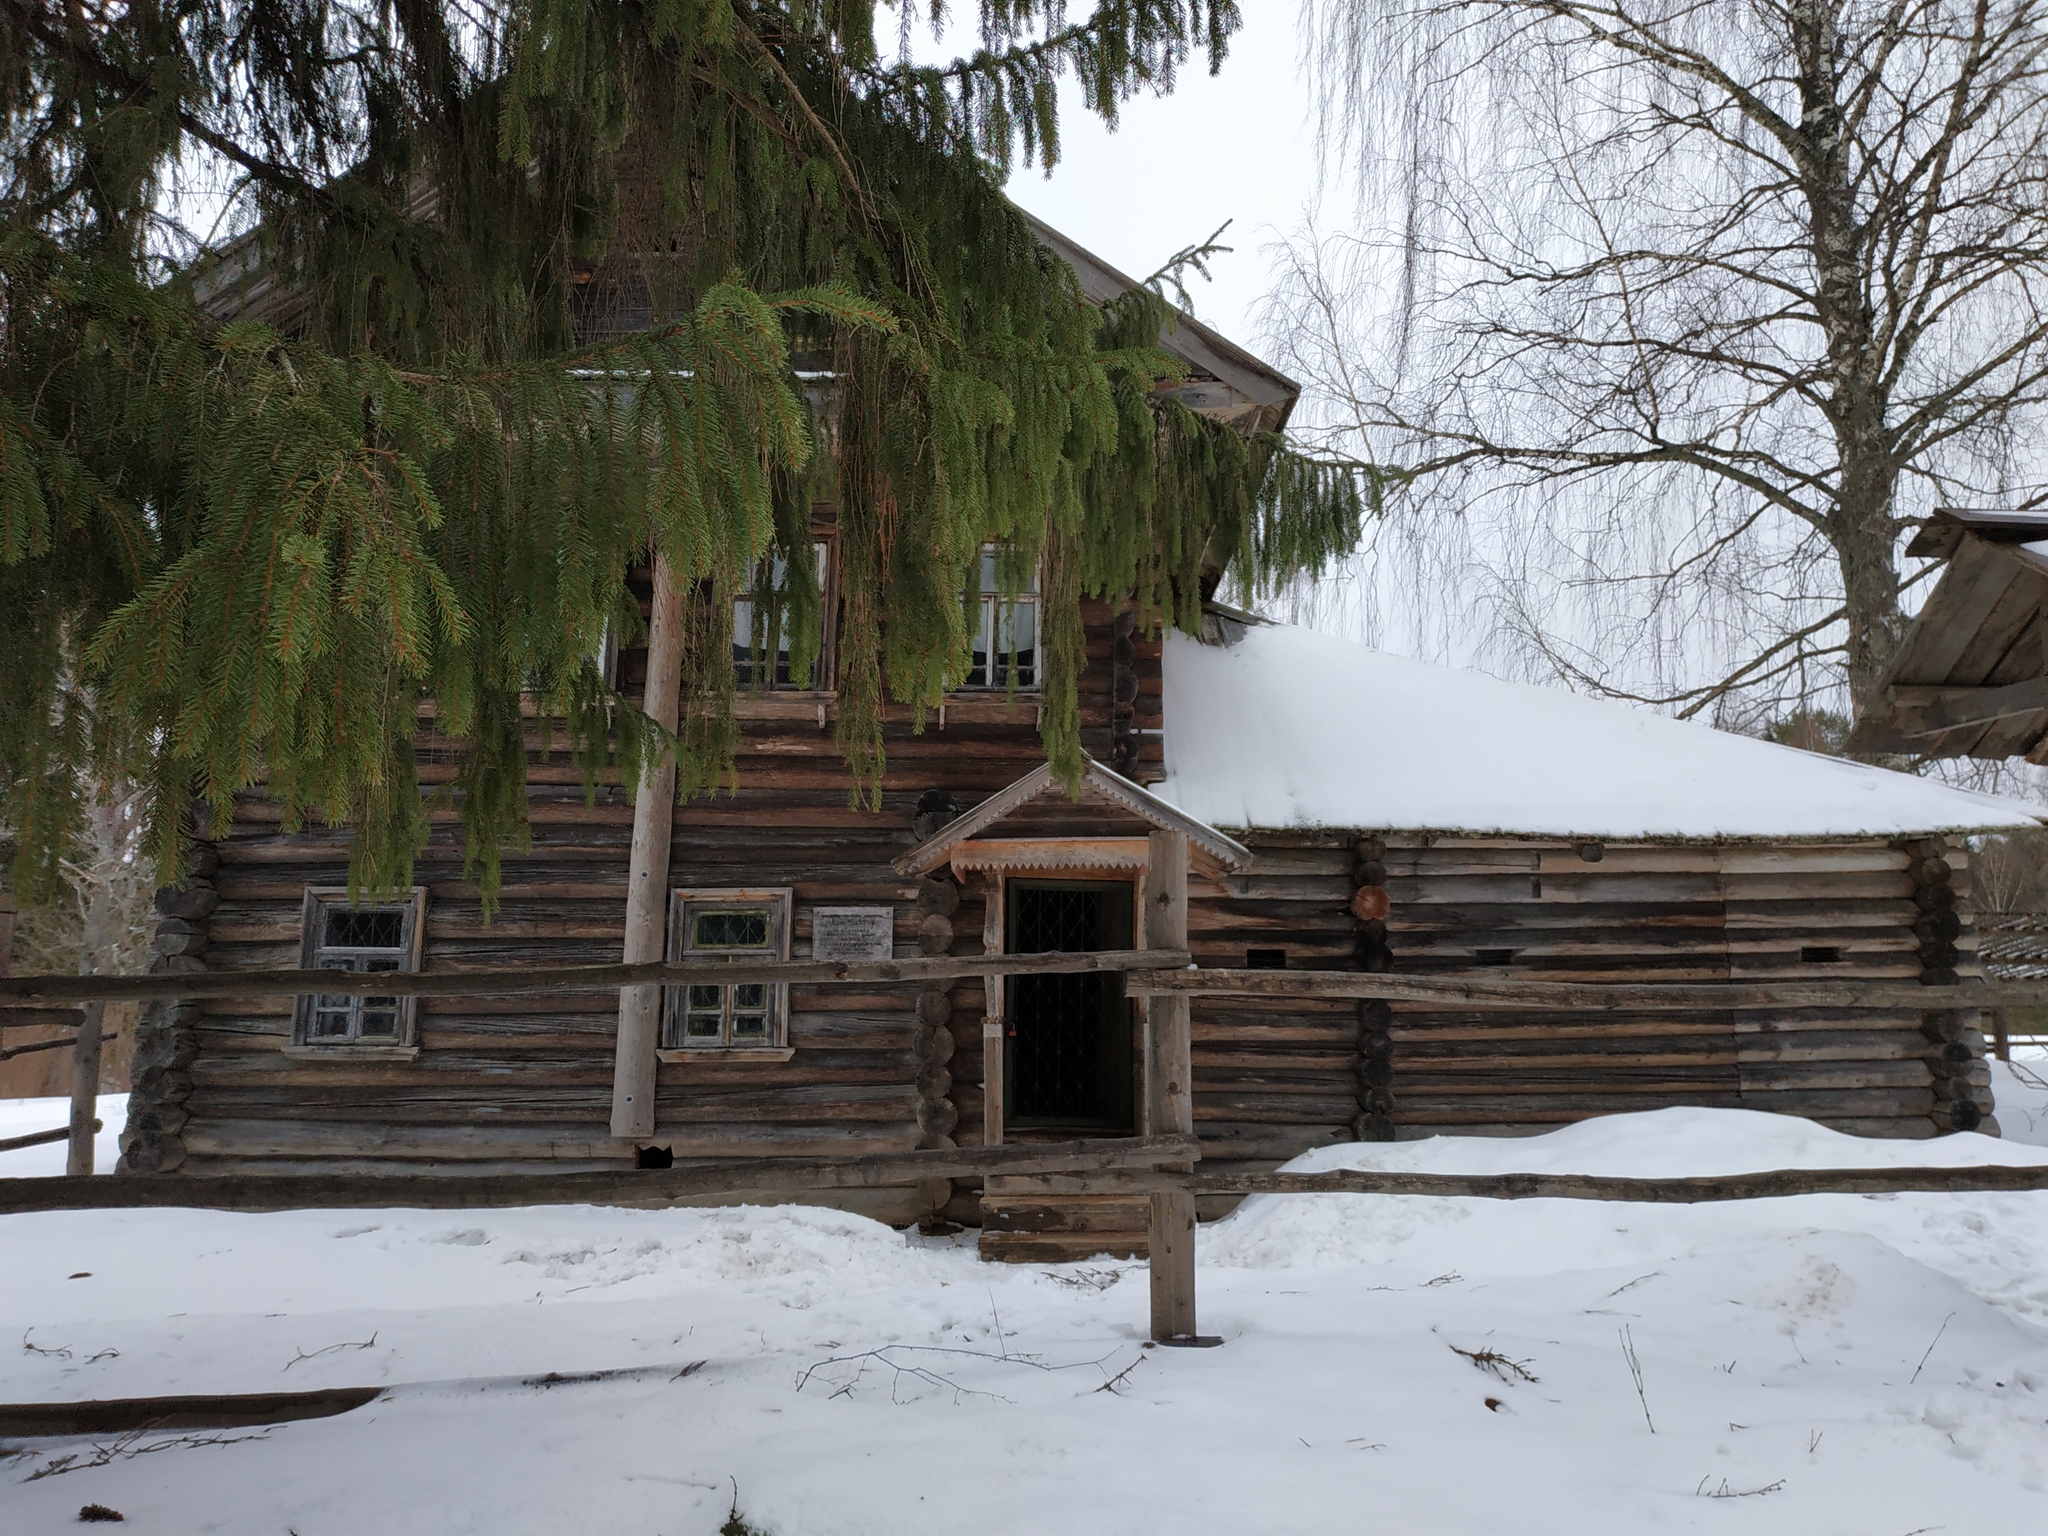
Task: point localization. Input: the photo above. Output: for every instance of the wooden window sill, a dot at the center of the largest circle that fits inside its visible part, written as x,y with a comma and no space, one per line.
992,706
728,1053
352,1052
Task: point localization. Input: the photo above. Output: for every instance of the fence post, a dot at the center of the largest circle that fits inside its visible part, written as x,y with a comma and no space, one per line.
85,1089
1169,1091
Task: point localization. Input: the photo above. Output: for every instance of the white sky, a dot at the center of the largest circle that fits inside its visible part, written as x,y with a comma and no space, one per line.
1240,146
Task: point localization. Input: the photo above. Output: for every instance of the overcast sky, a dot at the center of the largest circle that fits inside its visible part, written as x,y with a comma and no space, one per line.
1240,146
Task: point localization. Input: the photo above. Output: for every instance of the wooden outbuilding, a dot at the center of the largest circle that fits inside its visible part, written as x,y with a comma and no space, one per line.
1970,679
1338,809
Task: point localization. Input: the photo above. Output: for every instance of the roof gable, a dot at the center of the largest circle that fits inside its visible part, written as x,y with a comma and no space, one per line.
1109,786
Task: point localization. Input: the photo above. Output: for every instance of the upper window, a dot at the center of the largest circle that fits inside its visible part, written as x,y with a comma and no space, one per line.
729,925
338,936
761,630
1006,634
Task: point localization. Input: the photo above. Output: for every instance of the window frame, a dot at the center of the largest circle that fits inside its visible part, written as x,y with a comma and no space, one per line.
990,606
824,677
316,903
773,1042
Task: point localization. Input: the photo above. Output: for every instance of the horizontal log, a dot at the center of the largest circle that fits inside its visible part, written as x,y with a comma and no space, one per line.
117,1415
1597,997
39,1018
39,1138
586,1142
567,978
1928,711
1773,1184
1153,973
650,1187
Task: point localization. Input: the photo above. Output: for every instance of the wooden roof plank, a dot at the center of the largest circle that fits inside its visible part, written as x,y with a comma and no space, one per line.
1970,589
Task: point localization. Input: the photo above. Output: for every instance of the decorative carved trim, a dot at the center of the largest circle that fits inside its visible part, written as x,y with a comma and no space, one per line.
1120,853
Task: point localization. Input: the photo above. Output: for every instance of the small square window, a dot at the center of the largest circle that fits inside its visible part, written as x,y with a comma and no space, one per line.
736,926
336,935
1265,959
1820,954
1493,957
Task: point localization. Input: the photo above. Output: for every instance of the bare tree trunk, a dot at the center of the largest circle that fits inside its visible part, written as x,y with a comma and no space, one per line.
1859,523
1865,536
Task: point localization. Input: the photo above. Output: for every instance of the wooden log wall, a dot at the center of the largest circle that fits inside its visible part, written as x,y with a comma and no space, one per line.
502,1083
1947,952
1273,1078
1658,912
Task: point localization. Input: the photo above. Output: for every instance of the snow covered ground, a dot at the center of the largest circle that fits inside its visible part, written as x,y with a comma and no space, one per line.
22,1117
2020,1090
1821,1365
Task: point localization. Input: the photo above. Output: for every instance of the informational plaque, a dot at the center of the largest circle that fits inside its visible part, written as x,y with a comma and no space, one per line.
852,933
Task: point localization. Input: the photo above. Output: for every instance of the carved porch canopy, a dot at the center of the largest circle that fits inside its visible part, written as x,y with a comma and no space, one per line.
1124,813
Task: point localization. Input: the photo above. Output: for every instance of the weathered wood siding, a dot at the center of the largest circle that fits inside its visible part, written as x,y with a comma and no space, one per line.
523,1082
1651,912
526,1082
1274,1079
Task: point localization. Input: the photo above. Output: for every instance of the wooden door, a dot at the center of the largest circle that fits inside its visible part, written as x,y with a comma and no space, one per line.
1067,1049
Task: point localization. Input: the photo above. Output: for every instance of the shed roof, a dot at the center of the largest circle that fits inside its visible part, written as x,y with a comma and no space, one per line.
1970,679
1287,728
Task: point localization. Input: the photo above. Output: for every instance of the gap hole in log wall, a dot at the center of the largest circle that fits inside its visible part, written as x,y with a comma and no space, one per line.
1265,959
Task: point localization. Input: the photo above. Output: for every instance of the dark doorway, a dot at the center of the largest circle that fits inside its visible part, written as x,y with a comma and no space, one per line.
1067,1055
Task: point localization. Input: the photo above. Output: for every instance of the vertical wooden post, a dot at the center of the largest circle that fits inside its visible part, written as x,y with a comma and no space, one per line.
633,1064
1169,1094
85,1089
992,1131
2001,1037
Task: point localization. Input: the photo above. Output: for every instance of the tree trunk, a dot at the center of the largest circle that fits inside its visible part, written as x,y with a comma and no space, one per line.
1865,537
1860,525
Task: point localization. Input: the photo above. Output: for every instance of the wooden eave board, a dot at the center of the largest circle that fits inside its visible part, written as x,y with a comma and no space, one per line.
1945,530
1190,340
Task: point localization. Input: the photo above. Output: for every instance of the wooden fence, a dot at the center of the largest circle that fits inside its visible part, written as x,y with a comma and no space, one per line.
1163,1167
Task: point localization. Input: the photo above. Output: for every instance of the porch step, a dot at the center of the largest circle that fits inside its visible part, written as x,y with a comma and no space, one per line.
1037,1221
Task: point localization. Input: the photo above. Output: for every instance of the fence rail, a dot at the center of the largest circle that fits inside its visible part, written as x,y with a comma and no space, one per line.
1164,1168
651,1187
41,1138
1153,973
40,991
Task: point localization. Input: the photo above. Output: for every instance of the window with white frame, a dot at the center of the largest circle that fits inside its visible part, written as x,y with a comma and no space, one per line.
761,628
728,925
338,935
1005,640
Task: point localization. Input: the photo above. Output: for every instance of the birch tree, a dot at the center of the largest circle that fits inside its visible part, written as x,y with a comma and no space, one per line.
1696,305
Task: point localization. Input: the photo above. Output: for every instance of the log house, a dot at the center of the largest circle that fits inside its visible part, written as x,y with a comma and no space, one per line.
1327,808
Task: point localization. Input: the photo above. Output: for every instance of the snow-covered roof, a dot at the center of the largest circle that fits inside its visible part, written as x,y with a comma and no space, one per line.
1289,728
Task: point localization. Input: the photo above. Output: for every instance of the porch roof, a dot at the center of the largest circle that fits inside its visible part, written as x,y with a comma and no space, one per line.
937,849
